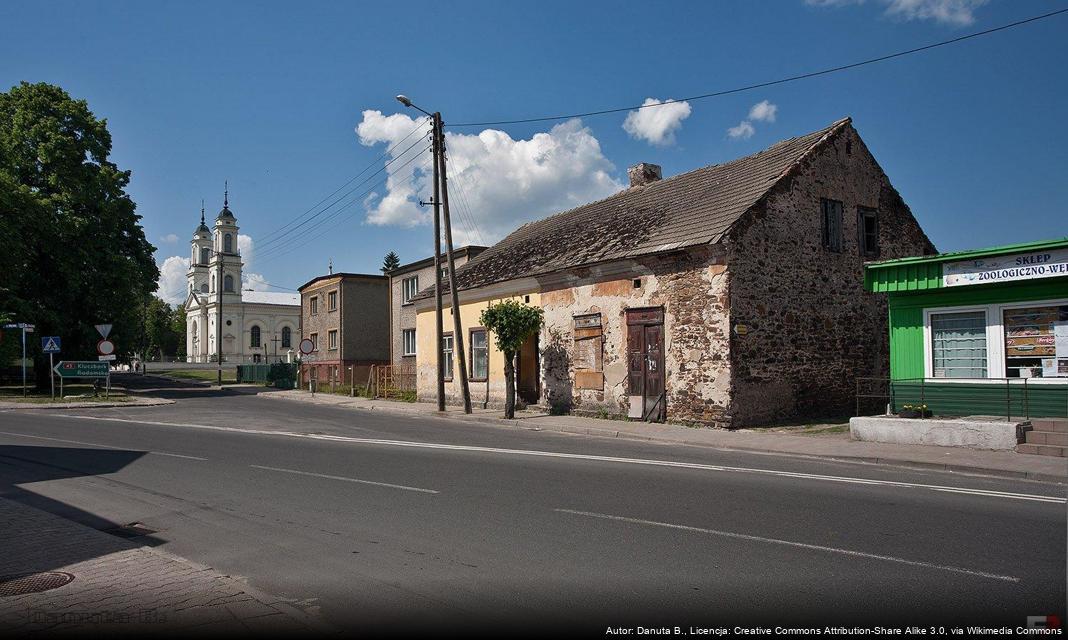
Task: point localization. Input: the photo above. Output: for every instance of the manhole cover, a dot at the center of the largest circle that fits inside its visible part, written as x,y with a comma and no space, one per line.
17,585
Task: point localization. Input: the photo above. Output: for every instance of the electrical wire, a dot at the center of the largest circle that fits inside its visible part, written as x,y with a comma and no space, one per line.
770,83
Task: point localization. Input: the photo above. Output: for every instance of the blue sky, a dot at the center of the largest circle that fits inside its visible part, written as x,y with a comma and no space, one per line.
268,96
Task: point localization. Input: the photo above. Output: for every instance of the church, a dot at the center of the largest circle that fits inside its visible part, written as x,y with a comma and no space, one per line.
249,326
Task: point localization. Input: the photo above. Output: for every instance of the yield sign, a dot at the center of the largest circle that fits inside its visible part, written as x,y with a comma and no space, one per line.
103,330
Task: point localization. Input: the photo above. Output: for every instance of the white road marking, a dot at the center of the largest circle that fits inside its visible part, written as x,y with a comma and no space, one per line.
790,543
581,456
330,477
102,446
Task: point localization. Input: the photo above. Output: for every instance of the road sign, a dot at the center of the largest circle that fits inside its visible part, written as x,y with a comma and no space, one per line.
105,347
109,357
81,369
50,344
103,330
307,346
20,325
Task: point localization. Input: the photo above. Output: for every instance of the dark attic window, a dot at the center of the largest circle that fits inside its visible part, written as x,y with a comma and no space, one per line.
831,224
637,283
868,230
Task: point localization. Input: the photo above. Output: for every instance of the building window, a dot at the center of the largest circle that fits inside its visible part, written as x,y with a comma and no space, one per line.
255,337
958,344
479,355
228,243
287,337
228,284
589,352
331,301
408,338
315,341
446,354
832,224
868,231
204,288
444,274
410,288
205,255
1031,335
314,304
331,338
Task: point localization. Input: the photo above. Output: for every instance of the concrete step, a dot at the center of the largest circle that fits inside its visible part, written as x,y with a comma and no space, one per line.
1060,425
1043,450
1048,437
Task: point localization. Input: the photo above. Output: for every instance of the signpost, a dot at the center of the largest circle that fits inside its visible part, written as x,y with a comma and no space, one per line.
26,328
83,369
50,345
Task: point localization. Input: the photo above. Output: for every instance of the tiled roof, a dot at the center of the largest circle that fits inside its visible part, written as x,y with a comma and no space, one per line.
693,208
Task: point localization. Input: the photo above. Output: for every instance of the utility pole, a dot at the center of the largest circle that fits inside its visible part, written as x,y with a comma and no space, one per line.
458,336
218,322
439,337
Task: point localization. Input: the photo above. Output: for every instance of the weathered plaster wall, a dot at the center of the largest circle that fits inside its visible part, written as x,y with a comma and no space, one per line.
814,328
691,286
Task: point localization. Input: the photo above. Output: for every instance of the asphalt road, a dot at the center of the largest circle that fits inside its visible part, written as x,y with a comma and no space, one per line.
396,523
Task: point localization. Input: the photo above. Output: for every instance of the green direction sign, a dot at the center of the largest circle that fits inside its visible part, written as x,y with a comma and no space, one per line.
81,369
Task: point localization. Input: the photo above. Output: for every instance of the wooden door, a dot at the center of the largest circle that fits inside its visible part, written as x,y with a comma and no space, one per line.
645,361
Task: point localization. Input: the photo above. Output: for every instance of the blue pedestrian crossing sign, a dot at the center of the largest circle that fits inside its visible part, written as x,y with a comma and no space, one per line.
50,344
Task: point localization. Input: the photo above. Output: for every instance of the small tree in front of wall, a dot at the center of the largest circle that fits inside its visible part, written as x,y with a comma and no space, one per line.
511,323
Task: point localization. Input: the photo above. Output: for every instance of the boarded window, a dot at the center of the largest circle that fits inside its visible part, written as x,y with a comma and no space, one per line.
589,352
832,224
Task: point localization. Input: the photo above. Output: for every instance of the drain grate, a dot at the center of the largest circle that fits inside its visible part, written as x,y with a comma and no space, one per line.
17,585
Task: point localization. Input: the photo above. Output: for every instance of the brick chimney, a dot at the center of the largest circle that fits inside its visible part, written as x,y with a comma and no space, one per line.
643,173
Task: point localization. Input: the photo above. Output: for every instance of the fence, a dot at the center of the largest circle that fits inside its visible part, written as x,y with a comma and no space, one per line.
392,380
281,374
1009,398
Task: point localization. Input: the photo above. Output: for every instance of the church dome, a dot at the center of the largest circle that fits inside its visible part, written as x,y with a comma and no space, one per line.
225,214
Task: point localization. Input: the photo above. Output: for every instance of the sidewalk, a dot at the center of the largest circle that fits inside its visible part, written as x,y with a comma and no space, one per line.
120,587
835,446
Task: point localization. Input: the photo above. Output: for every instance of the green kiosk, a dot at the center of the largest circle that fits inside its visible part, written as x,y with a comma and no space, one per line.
978,333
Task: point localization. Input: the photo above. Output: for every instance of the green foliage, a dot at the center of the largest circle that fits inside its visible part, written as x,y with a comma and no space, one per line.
407,396
282,375
72,251
391,262
164,328
511,323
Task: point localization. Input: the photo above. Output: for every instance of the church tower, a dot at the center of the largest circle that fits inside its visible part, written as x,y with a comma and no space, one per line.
224,285
199,259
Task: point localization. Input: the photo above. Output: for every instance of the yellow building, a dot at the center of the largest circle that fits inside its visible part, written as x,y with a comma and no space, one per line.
485,363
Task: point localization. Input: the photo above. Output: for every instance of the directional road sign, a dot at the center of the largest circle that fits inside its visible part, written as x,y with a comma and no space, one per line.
81,369
50,344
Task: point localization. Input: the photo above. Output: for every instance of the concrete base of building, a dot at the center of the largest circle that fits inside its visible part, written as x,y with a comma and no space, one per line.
973,433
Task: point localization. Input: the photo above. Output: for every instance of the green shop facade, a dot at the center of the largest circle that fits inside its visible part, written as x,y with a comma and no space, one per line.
980,332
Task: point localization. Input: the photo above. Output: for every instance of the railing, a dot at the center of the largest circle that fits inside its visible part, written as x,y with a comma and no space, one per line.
392,380
1008,398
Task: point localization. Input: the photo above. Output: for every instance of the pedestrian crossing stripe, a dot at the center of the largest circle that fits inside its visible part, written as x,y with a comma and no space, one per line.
51,346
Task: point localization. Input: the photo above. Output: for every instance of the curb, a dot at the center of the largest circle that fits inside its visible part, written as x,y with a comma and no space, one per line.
143,402
623,435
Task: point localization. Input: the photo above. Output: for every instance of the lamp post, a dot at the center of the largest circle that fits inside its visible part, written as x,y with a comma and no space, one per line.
441,183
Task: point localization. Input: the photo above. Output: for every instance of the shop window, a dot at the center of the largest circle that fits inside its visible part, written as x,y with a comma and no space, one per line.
958,344
1031,342
446,354
479,355
589,352
832,224
868,232
408,342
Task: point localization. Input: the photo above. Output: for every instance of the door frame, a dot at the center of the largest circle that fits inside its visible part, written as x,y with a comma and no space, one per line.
643,318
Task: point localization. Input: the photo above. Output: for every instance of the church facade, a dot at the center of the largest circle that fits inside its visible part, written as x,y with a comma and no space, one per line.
248,326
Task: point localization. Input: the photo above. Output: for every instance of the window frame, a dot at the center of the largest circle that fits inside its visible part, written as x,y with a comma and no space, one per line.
314,337
863,213
404,343
255,337
409,292
331,301
228,283
287,338
313,305
332,340
450,362
471,354
825,230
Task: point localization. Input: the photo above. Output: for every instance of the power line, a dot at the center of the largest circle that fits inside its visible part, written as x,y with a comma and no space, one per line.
761,85
418,126
466,205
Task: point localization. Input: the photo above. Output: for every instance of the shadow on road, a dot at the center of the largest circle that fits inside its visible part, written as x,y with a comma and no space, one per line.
158,387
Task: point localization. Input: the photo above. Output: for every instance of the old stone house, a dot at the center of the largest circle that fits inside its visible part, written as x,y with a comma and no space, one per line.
730,295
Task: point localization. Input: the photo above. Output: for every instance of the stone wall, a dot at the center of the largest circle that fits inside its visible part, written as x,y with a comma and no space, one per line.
690,285
813,327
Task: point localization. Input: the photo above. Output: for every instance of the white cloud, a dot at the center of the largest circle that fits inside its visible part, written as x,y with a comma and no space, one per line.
173,285
496,183
244,247
743,131
254,281
170,238
958,13
657,124
763,111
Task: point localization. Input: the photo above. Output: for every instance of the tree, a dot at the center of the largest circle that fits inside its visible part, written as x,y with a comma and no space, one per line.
72,251
391,262
164,333
511,323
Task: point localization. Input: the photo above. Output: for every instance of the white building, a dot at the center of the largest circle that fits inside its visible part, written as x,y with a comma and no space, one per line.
257,326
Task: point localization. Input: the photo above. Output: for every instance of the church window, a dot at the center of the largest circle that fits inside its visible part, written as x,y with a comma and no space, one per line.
205,255
228,243
287,337
228,284
204,288
255,337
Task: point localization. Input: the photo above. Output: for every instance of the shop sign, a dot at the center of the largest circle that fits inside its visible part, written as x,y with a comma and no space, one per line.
1020,266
